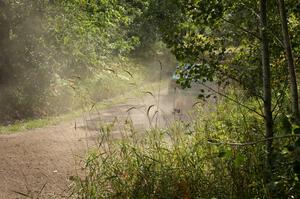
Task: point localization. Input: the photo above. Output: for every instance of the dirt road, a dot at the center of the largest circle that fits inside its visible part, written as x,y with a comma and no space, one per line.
41,163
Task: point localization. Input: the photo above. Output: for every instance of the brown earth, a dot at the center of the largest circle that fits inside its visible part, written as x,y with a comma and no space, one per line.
40,163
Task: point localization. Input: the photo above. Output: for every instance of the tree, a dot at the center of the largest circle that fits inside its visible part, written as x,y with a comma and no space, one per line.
230,40
4,40
289,60
44,44
266,68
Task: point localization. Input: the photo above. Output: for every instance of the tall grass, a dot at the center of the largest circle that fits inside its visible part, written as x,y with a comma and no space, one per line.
195,159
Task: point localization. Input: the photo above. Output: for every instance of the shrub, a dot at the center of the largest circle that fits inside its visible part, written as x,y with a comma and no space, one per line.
203,158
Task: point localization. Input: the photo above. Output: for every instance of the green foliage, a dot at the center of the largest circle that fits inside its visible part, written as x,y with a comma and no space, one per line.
58,53
224,37
217,155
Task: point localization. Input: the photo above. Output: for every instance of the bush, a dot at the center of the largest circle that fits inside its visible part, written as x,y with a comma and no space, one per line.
198,159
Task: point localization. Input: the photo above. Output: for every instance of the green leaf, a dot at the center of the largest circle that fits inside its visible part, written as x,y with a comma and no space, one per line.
286,126
239,160
229,154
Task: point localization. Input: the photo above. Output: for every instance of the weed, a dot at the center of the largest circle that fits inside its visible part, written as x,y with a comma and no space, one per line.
192,159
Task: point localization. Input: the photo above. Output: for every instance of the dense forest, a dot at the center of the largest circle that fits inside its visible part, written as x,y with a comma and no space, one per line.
57,55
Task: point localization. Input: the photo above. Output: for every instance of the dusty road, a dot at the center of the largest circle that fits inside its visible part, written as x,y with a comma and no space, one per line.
40,163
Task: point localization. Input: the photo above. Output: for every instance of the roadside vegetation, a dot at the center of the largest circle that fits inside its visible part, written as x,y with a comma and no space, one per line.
243,146
57,56
87,106
220,154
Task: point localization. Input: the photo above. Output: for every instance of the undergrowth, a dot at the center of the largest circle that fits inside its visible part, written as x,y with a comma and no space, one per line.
203,158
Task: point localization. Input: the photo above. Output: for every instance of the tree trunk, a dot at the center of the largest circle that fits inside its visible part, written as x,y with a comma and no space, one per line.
290,60
266,68
4,40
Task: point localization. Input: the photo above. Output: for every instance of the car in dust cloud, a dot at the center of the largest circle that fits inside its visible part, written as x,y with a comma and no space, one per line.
174,87
183,98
